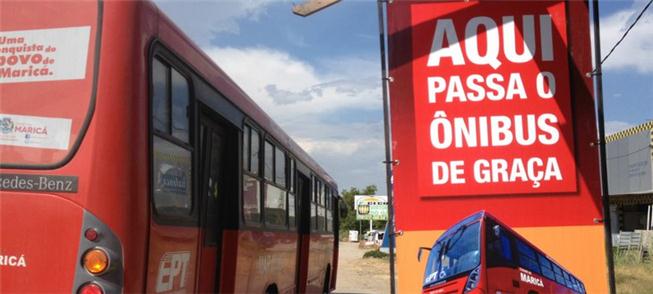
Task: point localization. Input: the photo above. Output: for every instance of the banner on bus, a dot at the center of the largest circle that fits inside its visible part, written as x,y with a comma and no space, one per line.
371,207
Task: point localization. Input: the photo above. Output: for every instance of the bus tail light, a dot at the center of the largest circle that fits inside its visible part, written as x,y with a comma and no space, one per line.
99,258
95,261
473,279
90,288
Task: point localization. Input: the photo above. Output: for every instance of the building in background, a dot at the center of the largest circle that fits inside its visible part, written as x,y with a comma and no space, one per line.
630,178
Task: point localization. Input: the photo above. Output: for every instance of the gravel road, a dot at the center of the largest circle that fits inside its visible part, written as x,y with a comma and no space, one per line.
359,275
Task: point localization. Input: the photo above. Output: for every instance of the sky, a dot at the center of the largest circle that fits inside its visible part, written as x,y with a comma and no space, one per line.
319,77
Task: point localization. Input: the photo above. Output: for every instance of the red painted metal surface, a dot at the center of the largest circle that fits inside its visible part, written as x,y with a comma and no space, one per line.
110,175
172,259
320,255
43,231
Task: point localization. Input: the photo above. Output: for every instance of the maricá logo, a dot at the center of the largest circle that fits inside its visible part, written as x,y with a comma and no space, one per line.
6,125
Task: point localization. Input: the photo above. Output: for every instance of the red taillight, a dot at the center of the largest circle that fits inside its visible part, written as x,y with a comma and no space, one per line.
91,234
90,288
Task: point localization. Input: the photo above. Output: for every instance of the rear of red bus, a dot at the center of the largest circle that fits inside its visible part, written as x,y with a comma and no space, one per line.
73,175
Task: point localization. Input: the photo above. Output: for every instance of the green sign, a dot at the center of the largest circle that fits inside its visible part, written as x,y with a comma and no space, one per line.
371,207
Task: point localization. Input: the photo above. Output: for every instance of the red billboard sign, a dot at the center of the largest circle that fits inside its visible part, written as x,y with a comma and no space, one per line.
492,99
491,110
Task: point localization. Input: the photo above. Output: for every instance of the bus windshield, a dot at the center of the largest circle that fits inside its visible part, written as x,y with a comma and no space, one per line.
457,252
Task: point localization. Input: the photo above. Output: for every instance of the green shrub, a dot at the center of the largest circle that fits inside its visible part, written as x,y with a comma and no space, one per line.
375,254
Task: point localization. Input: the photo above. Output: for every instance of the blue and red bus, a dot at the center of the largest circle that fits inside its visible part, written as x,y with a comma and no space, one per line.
130,162
482,255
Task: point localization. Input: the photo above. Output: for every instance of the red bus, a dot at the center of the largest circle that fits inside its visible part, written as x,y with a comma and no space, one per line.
482,255
130,162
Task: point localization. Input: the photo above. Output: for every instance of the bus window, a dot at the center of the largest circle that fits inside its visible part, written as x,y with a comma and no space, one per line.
160,101
179,106
254,152
246,132
280,167
291,193
291,176
498,246
567,280
320,208
268,169
432,265
171,160
251,199
291,210
329,208
558,274
527,257
320,218
578,286
172,178
545,265
455,253
314,205
275,206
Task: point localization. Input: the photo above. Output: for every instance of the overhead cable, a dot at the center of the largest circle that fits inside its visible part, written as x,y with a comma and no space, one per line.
627,31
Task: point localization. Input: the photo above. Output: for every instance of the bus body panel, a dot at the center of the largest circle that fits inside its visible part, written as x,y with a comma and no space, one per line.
107,167
335,254
509,280
172,261
266,258
229,253
451,287
118,141
319,261
39,239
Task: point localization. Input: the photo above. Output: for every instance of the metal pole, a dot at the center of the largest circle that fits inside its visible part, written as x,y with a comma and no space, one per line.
648,217
388,154
604,168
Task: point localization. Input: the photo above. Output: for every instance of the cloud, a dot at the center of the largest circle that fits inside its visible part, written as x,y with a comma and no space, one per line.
332,108
288,97
204,20
635,50
614,126
268,74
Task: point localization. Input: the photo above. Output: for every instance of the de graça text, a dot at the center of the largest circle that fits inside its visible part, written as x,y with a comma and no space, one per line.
494,130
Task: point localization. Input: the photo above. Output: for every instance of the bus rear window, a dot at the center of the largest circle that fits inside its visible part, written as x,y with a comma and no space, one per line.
46,80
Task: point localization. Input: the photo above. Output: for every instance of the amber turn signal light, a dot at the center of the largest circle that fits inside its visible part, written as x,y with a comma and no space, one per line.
95,261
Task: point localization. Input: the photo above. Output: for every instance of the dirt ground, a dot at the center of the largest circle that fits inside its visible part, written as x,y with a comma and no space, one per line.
361,275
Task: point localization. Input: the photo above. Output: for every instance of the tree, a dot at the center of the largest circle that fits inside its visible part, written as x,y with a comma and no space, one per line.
349,222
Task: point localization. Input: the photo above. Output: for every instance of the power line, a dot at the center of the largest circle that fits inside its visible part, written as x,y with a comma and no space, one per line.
627,31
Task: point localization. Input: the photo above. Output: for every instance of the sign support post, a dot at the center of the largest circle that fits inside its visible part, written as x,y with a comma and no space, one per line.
602,152
388,154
